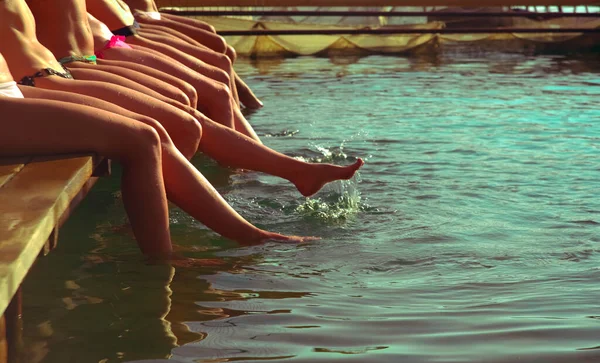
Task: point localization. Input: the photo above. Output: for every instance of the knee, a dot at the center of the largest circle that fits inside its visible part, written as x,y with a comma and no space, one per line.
145,145
211,29
187,139
181,97
231,53
192,94
220,45
221,94
224,62
162,133
221,76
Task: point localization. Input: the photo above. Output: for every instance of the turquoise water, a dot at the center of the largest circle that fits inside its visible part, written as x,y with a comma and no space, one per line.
470,235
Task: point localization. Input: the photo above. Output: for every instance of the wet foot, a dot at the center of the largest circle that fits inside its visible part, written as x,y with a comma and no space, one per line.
281,238
251,103
247,98
310,183
265,236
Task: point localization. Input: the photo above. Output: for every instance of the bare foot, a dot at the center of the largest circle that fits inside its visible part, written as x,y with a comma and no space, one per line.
310,183
247,97
177,260
264,237
196,262
281,238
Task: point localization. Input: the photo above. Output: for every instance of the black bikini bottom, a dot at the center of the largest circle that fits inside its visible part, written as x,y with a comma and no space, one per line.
30,80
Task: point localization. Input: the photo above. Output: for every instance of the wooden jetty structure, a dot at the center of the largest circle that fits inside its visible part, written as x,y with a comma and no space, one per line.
37,195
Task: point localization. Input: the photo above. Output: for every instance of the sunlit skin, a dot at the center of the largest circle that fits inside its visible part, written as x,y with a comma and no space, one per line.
223,144
185,186
153,167
62,28
216,99
58,128
194,32
116,14
132,58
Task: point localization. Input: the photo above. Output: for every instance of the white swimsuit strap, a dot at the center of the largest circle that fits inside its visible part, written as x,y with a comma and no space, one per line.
10,89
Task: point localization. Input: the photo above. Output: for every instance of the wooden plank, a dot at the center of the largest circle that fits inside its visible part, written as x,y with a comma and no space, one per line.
31,205
9,167
471,3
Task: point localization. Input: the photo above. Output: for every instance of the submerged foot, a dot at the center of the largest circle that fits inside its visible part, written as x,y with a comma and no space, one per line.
248,98
312,182
281,238
266,236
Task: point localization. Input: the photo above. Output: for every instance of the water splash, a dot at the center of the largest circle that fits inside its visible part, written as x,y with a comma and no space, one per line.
284,133
336,205
326,155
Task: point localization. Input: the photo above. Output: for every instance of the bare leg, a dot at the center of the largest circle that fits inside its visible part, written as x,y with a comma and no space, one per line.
217,82
244,152
68,128
219,106
245,94
210,57
167,91
89,72
227,49
185,185
164,45
182,85
185,131
199,31
161,29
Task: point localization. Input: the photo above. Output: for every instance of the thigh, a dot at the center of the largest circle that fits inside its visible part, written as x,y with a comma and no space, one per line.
89,72
203,53
206,37
155,84
158,29
164,46
152,72
210,93
83,100
150,58
33,126
206,87
178,123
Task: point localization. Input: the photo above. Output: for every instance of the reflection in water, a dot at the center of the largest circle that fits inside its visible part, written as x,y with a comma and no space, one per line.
266,65
119,315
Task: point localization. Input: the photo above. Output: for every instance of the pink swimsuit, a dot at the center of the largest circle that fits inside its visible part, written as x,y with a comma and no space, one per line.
116,41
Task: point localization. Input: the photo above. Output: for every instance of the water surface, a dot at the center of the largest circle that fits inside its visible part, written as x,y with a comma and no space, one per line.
470,235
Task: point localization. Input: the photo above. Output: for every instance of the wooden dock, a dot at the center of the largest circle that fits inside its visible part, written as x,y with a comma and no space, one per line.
37,194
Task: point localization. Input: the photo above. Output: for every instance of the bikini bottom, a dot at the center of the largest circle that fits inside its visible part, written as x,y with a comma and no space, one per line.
128,30
30,80
78,58
117,41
